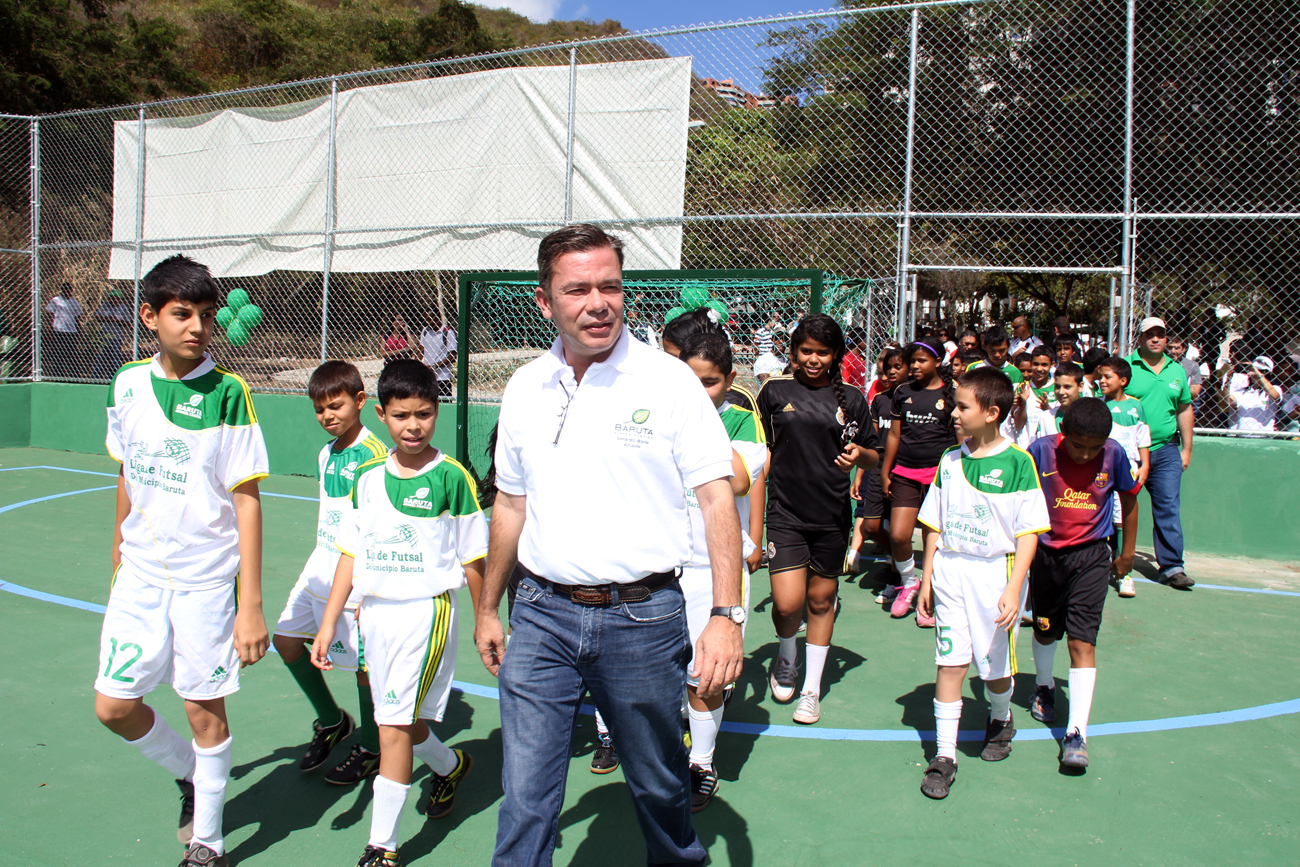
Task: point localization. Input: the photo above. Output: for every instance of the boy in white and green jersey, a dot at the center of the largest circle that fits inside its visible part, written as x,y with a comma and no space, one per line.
186,599
1128,428
338,395
987,508
414,536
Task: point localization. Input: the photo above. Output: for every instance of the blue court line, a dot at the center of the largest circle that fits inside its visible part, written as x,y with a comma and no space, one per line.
1281,708
111,476
13,506
1247,589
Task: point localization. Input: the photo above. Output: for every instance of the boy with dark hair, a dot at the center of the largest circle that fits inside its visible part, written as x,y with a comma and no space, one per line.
186,599
1130,430
414,536
1023,362
1067,384
338,395
1065,348
996,348
1081,469
1091,359
709,356
986,508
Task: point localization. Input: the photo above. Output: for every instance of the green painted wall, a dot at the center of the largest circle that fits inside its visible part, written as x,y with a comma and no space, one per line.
1240,497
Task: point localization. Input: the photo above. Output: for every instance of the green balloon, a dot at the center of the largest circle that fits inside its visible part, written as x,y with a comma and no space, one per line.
225,316
250,315
719,306
237,298
237,333
673,314
694,295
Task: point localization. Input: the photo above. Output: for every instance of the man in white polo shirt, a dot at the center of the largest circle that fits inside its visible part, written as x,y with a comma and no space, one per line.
438,340
597,441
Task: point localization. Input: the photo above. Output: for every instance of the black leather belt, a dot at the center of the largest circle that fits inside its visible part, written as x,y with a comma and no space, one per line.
603,594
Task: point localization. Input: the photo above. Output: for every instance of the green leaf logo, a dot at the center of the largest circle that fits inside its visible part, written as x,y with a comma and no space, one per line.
640,416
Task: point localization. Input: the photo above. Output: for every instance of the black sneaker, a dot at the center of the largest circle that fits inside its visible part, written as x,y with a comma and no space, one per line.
997,739
1180,581
377,857
325,739
442,794
198,855
605,759
938,778
359,764
185,828
704,785
1042,706
1074,751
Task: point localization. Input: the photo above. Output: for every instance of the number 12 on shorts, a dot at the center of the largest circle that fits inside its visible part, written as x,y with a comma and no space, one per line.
945,643
128,647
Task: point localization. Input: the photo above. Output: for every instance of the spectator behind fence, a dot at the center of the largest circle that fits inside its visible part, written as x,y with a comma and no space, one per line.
114,317
59,355
438,340
1161,385
397,344
1022,339
853,367
1253,399
1178,352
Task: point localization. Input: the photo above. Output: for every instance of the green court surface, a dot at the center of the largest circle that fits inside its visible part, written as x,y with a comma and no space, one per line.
1207,771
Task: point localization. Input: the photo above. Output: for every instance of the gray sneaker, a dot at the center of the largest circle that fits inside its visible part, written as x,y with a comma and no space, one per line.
198,855
1042,706
1074,751
782,679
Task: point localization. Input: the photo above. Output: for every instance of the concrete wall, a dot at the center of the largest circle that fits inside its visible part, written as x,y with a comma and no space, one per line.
1240,497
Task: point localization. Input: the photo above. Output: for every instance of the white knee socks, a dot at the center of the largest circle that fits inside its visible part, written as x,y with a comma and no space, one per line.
1082,682
390,799
436,755
1044,656
705,725
163,745
211,773
812,679
1000,703
947,720
907,572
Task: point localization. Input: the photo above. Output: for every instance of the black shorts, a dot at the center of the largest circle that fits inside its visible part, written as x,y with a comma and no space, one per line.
1068,587
821,551
905,493
873,503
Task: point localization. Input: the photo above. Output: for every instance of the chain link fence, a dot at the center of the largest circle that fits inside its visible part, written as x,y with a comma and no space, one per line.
941,163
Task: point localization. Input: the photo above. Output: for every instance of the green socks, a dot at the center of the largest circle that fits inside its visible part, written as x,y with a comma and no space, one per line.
367,731
312,683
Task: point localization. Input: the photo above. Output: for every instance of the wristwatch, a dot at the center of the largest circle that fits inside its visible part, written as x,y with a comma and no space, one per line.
734,613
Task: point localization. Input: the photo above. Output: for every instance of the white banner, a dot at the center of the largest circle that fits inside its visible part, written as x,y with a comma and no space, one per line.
423,172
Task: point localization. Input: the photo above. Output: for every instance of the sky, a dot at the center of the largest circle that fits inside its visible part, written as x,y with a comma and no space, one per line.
642,15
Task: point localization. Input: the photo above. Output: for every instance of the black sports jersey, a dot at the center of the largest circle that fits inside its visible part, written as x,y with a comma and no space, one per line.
880,417
739,396
927,425
805,431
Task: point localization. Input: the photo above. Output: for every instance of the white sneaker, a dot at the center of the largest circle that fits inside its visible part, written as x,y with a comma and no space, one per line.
782,679
809,709
1126,588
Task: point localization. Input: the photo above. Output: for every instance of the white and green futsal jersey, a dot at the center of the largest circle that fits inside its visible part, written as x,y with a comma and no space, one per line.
747,440
411,538
337,472
981,506
1129,427
184,445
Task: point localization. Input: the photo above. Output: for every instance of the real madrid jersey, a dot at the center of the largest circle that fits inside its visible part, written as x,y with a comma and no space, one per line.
1129,427
184,445
337,471
411,538
981,506
746,436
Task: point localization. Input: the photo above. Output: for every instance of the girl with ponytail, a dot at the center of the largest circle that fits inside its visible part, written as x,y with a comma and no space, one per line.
818,431
920,431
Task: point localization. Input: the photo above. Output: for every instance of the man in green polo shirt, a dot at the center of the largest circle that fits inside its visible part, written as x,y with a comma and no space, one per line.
1161,384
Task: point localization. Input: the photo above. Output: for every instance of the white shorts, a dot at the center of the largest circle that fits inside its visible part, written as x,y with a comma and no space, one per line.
966,593
697,588
151,635
301,618
409,651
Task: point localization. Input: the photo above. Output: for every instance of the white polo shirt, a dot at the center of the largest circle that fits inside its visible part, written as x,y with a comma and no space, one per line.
606,503
438,344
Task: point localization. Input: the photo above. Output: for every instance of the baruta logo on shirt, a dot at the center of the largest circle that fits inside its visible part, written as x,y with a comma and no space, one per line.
192,408
419,500
350,471
992,477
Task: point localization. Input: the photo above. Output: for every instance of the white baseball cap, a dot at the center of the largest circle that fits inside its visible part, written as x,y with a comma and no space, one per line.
1151,322
1263,363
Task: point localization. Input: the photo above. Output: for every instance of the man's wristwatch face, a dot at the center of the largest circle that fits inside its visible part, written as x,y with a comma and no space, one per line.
734,613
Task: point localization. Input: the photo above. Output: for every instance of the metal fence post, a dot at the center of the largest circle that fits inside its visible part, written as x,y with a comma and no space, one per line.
35,241
139,235
328,257
568,150
1110,322
462,369
905,237
1126,255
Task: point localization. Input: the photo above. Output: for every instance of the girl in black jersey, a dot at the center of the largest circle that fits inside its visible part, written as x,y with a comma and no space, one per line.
920,431
818,430
871,516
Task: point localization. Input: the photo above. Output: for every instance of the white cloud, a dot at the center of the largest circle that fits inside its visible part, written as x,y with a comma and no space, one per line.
581,11
536,10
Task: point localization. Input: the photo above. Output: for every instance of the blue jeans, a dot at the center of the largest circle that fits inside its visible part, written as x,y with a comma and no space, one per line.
632,658
1166,527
